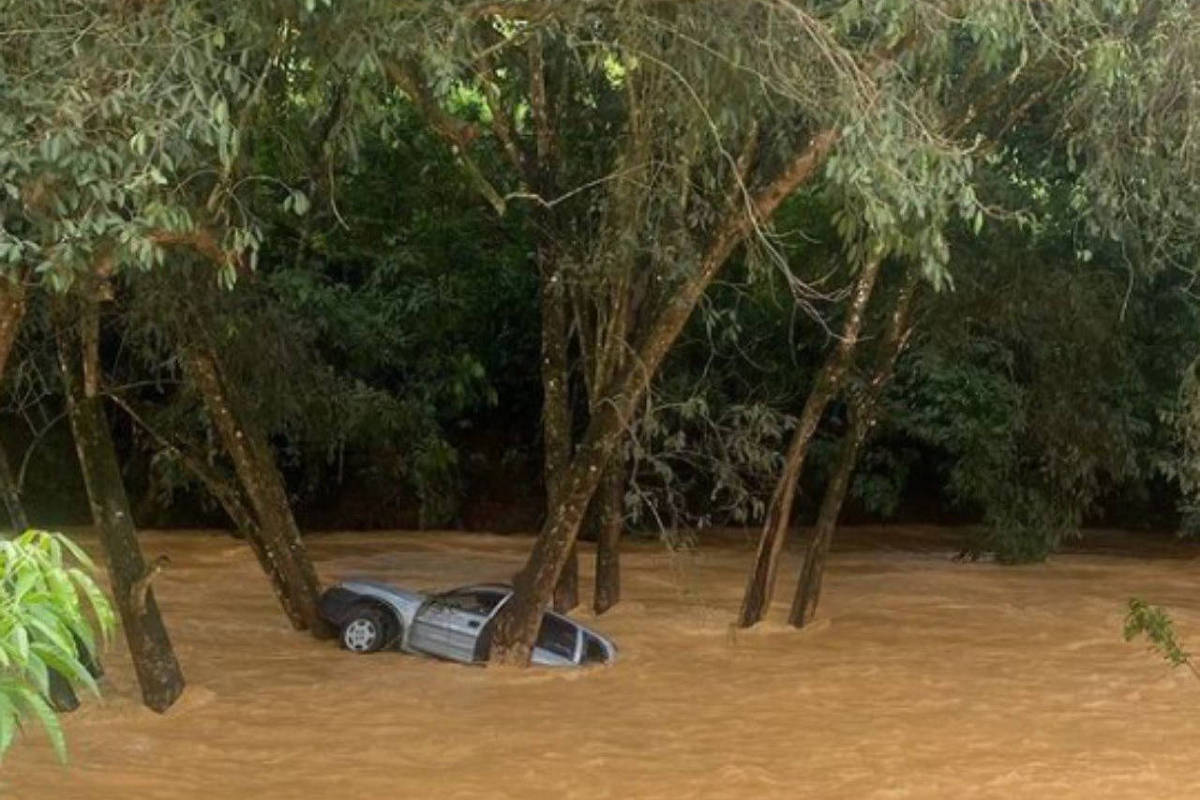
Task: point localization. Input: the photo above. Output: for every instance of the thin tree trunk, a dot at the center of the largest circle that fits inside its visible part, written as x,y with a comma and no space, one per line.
282,550
611,311
863,411
808,589
761,583
12,312
154,662
556,410
518,620
608,505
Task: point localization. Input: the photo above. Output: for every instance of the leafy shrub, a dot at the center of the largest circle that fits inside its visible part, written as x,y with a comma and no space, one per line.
1152,621
44,580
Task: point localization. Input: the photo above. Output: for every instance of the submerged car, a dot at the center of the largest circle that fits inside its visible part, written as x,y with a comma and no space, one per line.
455,625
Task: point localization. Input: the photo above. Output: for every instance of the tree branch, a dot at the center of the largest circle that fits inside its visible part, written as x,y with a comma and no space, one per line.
456,132
217,485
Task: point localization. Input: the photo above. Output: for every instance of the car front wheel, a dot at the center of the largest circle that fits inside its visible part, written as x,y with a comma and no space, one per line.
366,630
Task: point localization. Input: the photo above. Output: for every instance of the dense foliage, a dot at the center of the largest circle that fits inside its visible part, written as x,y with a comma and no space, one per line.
394,316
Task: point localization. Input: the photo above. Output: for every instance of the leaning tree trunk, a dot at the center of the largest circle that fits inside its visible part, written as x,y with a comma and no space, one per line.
808,589
608,508
282,549
154,662
863,410
761,583
518,620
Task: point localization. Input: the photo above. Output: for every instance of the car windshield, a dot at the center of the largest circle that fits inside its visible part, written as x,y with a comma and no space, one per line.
475,601
557,636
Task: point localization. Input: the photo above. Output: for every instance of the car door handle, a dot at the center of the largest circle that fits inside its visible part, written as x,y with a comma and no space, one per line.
473,623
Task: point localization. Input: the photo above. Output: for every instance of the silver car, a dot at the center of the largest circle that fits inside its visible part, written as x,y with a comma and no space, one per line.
455,625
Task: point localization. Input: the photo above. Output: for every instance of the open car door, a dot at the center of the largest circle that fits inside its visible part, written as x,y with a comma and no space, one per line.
453,625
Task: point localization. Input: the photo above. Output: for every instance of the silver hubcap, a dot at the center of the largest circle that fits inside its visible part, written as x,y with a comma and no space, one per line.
360,635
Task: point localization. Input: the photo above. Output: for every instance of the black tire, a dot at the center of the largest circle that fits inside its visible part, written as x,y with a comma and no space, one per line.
367,629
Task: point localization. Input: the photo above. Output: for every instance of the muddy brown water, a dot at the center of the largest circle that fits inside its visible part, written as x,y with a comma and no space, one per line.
922,678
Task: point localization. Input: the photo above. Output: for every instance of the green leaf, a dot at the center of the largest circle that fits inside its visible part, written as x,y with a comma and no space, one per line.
9,719
20,637
77,553
65,665
37,705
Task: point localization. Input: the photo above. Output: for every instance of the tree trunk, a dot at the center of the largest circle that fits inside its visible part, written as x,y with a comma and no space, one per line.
808,589
566,591
556,410
761,583
12,311
864,406
556,404
282,551
518,620
154,662
608,506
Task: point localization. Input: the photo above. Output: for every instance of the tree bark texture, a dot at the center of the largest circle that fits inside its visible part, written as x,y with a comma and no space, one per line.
556,403
864,405
157,669
518,620
12,312
761,582
280,548
556,409
608,508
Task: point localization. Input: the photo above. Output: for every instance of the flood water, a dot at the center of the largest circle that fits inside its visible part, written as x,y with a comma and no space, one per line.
922,678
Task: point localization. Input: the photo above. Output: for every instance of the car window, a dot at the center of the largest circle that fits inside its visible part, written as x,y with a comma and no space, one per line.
476,601
594,651
557,636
